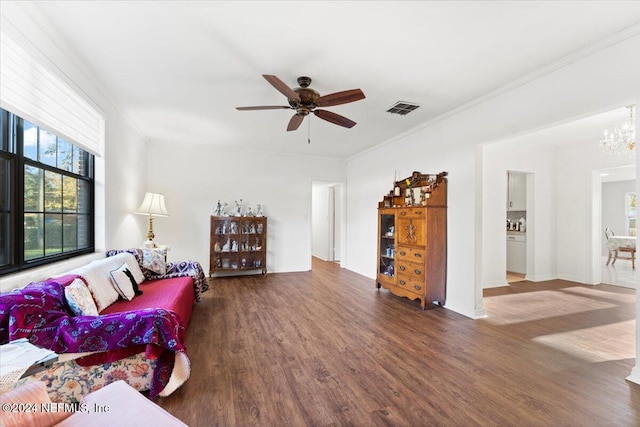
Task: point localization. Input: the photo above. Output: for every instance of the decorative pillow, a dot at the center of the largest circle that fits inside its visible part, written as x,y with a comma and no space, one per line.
154,260
79,299
29,395
96,275
124,282
132,265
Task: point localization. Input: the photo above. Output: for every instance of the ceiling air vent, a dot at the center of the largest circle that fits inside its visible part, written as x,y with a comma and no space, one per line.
403,108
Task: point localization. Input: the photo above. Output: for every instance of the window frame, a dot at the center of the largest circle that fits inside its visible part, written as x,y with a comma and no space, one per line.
13,133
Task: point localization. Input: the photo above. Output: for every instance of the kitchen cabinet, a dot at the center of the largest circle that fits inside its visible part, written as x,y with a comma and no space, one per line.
517,191
516,253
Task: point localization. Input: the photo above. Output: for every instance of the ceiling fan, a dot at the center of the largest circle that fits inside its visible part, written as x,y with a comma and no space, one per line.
305,100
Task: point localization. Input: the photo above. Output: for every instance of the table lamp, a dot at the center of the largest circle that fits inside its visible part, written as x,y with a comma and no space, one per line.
153,204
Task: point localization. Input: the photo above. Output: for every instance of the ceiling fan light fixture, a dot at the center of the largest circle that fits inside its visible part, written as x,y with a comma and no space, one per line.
305,100
402,108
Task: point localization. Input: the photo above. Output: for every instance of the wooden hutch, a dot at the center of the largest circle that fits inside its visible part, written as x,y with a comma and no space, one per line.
238,245
412,239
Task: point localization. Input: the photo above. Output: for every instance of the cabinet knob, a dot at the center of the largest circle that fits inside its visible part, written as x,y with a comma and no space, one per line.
417,255
403,213
417,271
402,282
419,212
403,253
417,287
403,268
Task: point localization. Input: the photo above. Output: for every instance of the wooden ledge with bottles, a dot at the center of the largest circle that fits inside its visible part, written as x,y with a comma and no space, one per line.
238,244
412,239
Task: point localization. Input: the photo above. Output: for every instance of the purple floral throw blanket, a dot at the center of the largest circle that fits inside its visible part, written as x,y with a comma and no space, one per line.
39,313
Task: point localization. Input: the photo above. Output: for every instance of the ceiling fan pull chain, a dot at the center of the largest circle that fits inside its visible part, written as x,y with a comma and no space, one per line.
309,130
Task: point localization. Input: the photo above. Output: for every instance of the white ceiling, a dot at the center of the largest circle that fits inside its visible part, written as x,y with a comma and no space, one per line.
179,68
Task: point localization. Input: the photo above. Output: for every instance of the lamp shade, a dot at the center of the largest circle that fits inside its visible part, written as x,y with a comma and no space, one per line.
153,204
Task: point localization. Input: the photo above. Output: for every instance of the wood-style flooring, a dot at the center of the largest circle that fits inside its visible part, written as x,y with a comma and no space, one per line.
325,348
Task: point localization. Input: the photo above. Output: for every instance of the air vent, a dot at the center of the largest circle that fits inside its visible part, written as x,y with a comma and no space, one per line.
403,108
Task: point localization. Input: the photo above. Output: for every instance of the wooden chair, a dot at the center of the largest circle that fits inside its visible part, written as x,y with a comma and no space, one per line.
608,233
631,251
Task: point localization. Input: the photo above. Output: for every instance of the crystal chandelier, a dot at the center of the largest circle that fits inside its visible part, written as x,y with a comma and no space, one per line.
622,141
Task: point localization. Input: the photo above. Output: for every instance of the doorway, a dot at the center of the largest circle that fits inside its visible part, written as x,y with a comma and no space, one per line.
327,220
516,226
618,214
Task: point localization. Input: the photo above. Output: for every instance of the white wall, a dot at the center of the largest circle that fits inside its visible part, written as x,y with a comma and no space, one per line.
193,184
532,153
370,177
524,154
575,90
120,174
338,198
320,220
579,223
614,212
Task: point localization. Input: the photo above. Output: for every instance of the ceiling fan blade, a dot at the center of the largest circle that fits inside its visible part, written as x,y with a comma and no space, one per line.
295,122
338,98
334,118
282,87
265,107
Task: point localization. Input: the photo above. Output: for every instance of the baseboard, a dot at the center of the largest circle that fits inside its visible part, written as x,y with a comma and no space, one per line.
323,258
470,315
541,277
495,284
581,280
480,314
634,377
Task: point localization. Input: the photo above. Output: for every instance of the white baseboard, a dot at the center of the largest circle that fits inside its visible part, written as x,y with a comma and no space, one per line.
541,277
495,284
634,377
480,314
569,278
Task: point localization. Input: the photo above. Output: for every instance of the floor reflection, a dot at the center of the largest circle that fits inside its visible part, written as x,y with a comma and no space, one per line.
620,274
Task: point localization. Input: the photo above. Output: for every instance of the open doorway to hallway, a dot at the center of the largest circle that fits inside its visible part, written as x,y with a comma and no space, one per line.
327,220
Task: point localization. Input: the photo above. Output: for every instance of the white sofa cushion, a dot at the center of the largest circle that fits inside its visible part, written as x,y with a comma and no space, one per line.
98,277
96,274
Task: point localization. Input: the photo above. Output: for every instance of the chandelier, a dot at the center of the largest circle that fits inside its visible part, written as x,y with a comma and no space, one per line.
622,141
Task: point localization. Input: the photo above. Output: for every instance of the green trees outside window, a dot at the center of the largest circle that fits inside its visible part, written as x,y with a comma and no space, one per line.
51,196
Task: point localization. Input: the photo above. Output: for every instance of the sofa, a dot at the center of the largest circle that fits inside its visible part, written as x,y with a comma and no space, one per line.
122,317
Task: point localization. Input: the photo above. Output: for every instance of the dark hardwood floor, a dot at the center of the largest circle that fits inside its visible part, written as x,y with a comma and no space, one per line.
325,348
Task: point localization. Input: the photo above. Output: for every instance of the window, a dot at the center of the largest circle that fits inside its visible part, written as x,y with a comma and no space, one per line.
630,210
46,196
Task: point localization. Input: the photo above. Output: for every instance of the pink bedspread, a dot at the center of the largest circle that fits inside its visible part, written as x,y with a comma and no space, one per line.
171,294
175,294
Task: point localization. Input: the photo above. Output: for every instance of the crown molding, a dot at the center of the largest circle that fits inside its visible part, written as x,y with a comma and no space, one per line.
572,58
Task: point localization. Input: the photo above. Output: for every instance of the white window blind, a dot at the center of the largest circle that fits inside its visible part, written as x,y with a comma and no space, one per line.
30,90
